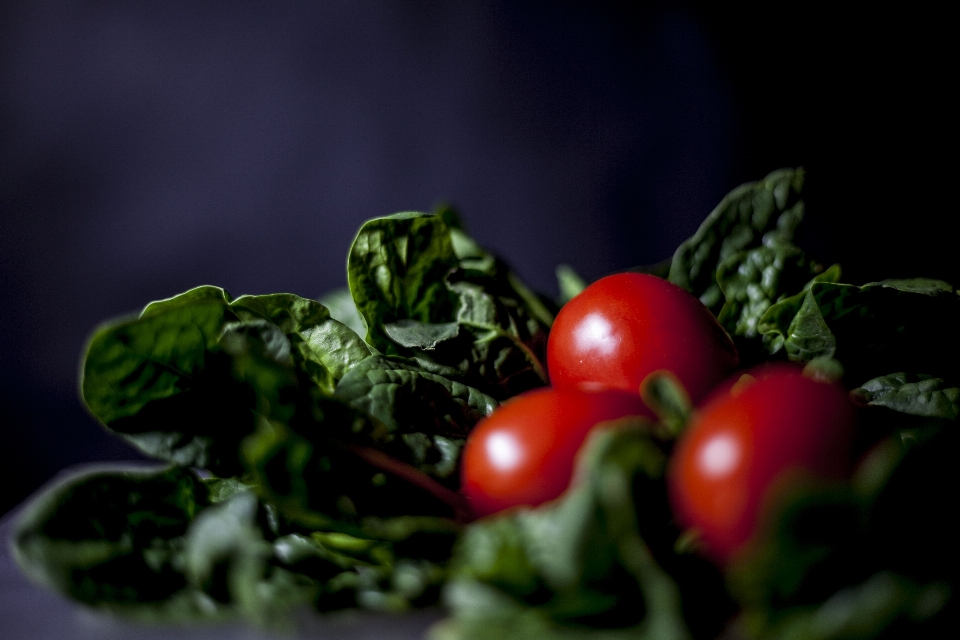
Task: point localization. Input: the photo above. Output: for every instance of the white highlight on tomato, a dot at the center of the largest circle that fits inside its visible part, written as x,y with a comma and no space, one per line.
595,333
720,455
503,451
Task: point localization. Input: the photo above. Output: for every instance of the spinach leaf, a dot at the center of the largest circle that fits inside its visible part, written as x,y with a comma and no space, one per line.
752,215
342,309
392,565
753,280
429,414
318,338
228,558
164,383
420,335
148,544
591,558
130,364
182,381
115,539
666,397
505,330
396,270
330,472
895,324
570,283
918,395
426,290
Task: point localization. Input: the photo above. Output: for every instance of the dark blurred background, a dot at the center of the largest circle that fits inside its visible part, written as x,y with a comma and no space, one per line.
146,148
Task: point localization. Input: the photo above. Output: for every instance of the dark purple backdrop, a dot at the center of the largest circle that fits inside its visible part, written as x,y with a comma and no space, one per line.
146,148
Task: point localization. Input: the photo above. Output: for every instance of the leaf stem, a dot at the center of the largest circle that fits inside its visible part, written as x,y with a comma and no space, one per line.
527,351
380,460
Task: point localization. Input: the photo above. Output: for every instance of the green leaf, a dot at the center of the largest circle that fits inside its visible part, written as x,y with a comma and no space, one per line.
918,395
752,281
342,309
165,385
227,558
391,565
440,298
115,539
183,381
330,472
663,393
867,610
405,398
825,369
901,325
396,270
428,414
750,216
316,336
146,544
132,363
571,284
385,564
504,344
216,544
485,613
225,488
808,336
420,335
926,286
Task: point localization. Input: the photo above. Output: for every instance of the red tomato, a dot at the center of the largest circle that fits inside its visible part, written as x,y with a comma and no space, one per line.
523,453
623,327
743,448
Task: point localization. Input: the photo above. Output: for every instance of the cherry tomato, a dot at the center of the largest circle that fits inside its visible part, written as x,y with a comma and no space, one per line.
744,447
523,453
623,327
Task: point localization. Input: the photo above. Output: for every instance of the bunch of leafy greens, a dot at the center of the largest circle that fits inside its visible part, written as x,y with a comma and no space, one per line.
306,464
869,558
329,437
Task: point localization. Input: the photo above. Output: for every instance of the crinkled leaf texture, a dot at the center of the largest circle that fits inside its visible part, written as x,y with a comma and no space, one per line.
904,325
183,381
426,290
918,395
405,397
245,388
580,566
396,269
752,281
756,214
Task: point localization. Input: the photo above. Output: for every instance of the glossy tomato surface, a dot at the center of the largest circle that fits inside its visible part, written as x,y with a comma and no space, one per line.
623,327
745,447
523,453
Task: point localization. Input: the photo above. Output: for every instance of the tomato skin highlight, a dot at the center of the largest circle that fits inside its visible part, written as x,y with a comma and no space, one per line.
524,452
744,447
624,327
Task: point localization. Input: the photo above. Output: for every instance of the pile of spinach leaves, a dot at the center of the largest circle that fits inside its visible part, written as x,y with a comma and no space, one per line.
311,452
307,462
